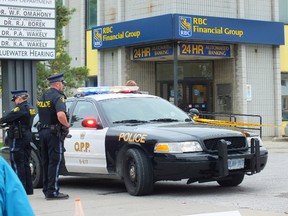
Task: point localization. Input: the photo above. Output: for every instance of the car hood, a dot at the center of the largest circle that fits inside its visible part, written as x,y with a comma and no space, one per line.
179,131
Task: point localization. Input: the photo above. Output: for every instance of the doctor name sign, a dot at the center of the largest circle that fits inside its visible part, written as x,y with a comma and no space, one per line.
27,29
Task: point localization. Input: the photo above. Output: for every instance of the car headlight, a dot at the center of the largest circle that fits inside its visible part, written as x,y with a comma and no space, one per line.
257,137
177,147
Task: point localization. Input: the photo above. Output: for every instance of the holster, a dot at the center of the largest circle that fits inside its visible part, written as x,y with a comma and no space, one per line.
15,132
62,131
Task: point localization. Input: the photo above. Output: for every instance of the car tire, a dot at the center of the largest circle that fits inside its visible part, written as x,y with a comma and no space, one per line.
36,169
137,173
232,180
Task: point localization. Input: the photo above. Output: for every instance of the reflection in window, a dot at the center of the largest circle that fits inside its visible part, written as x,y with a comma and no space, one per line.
68,104
83,109
186,70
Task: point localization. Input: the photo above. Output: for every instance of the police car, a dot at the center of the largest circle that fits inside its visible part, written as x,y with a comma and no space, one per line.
142,139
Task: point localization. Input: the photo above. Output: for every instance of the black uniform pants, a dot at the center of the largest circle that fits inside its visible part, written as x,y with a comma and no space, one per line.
20,153
52,156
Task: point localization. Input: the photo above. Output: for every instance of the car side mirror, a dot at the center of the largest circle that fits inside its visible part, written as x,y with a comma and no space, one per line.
91,123
194,112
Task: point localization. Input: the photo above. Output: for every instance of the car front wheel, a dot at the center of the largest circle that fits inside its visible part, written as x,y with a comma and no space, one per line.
138,174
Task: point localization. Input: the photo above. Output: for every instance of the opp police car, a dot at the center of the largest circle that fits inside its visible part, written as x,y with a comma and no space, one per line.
142,139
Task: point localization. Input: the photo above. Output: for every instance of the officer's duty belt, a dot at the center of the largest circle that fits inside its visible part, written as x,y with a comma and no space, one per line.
25,127
47,126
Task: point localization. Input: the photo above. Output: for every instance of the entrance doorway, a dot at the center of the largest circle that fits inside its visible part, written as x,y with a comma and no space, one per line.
197,94
195,79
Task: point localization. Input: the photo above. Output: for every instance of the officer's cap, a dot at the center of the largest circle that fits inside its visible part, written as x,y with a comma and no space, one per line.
17,93
56,78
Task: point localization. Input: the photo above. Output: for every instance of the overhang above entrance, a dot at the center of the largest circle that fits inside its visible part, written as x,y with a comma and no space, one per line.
187,28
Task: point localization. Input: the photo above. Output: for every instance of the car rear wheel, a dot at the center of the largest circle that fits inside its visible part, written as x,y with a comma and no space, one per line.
138,174
232,180
36,170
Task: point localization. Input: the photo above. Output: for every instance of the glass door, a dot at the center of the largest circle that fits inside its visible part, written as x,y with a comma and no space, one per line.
190,94
199,96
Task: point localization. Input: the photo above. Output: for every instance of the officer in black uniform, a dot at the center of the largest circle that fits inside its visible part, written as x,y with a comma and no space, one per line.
19,121
53,128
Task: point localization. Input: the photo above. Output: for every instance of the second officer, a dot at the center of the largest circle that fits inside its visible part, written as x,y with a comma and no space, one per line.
20,120
53,124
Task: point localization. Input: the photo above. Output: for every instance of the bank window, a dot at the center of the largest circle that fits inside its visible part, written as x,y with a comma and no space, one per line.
283,11
186,70
91,15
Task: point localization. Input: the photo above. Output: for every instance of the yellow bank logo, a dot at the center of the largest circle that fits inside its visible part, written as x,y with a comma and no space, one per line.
185,26
97,37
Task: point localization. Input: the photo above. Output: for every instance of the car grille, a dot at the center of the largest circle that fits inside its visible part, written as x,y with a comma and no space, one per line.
235,143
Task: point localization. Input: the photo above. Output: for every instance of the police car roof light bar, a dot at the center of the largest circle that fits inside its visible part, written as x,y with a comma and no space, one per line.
84,91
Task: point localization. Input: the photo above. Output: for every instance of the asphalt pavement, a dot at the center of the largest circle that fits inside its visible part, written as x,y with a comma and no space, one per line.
105,204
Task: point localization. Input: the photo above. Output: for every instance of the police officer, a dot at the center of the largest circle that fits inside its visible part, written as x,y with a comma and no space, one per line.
20,120
53,123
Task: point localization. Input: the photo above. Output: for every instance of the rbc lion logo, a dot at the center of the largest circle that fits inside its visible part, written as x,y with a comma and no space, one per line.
185,26
97,37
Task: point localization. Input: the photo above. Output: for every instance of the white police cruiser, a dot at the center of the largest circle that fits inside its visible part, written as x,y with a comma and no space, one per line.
142,139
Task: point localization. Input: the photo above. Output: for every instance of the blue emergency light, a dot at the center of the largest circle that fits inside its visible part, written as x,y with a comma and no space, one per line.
84,91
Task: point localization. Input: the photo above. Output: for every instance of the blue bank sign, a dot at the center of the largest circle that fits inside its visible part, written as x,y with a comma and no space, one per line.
187,28
184,49
152,51
212,50
228,30
132,32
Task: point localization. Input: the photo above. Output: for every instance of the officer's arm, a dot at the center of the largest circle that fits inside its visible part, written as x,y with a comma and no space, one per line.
62,118
13,115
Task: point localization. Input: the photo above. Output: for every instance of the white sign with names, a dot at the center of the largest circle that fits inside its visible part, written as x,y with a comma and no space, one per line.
30,3
27,53
27,12
27,42
27,32
27,29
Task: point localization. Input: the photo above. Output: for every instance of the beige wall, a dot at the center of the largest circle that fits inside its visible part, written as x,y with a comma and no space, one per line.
284,52
91,56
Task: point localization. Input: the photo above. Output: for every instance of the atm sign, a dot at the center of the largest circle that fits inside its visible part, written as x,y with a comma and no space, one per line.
194,49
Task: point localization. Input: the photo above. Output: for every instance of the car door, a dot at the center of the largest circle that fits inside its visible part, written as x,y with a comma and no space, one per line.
85,150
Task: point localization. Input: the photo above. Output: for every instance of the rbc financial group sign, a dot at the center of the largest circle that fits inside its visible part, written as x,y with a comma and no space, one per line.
132,32
27,29
187,28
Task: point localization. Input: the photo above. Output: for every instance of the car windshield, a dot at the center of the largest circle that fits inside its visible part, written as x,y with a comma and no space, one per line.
142,110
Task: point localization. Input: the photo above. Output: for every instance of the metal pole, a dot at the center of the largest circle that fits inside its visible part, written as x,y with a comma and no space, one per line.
175,72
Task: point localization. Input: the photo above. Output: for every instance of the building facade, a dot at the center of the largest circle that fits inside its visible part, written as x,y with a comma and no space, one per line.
284,64
78,33
245,79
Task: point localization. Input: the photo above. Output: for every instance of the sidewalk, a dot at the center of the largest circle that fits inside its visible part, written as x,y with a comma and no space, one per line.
276,143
